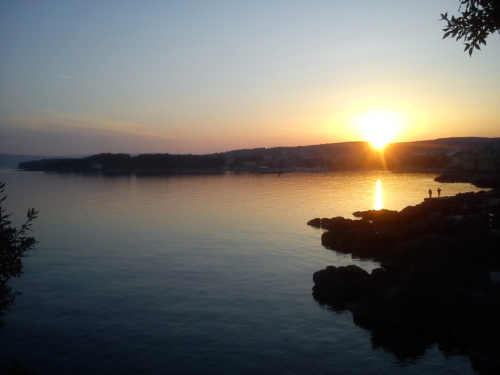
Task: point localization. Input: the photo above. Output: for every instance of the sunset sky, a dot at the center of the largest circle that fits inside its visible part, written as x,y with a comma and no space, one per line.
84,77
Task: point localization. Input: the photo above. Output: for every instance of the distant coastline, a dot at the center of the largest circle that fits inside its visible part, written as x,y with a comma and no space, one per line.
440,155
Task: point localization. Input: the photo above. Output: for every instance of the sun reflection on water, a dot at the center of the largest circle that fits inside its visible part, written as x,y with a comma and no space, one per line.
379,201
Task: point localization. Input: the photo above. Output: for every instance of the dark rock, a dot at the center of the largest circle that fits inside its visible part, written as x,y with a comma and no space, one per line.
379,274
341,283
423,250
380,218
485,351
358,237
315,223
434,284
481,180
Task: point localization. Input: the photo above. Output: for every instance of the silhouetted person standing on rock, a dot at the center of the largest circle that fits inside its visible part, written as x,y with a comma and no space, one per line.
430,193
439,192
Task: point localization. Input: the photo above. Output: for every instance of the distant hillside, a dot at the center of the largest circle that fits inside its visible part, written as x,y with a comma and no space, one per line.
9,161
457,143
327,148
467,153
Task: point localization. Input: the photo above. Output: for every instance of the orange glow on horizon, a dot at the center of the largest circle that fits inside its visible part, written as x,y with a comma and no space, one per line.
379,128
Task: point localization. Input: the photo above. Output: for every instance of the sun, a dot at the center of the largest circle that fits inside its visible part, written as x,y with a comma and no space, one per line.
379,128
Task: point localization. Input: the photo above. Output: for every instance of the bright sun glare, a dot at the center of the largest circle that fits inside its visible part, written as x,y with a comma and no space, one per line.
379,128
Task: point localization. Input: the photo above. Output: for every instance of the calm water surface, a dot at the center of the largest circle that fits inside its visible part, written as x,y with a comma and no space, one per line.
196,274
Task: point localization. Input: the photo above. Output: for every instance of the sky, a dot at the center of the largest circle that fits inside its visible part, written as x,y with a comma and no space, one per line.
85,77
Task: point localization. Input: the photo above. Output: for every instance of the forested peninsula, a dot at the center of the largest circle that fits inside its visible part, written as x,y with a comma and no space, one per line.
125,162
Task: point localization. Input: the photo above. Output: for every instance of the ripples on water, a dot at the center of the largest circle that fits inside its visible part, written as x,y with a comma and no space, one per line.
196,274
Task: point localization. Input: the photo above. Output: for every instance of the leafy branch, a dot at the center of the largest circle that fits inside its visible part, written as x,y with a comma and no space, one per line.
14,245
478,19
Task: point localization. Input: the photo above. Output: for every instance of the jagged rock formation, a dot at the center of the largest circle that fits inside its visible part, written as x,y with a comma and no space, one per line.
435,283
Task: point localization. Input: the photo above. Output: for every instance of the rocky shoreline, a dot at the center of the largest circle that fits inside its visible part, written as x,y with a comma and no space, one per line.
439,279
481,180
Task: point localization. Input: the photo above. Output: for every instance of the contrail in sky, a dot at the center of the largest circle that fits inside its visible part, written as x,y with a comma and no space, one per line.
60,76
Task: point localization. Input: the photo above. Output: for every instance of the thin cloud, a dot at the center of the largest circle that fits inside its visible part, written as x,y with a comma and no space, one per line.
71,123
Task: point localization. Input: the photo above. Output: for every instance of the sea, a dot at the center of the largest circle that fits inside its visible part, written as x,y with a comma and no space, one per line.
198,274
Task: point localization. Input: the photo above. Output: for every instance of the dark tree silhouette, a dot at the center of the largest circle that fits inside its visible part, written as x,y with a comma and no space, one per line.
126,162
14,245
478,19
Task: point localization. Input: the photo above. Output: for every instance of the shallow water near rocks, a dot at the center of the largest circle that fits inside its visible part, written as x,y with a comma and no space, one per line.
197,274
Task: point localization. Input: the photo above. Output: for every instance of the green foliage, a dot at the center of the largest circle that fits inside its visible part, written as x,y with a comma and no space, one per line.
478,19
14,245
